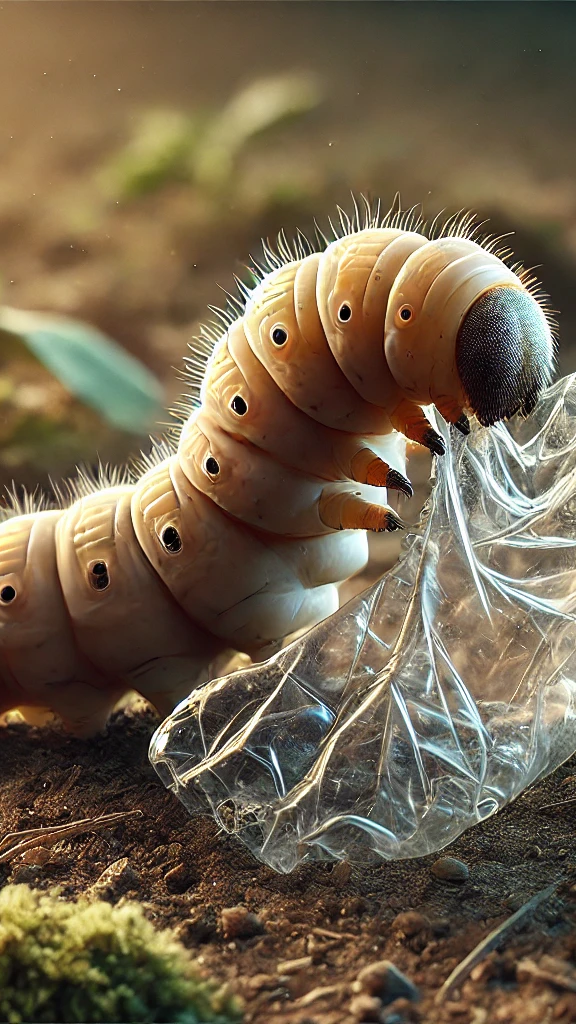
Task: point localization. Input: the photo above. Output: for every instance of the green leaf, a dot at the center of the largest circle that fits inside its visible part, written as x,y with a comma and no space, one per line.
159,151
91,366
260,106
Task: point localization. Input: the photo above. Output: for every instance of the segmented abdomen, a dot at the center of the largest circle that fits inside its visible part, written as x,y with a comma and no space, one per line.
238,536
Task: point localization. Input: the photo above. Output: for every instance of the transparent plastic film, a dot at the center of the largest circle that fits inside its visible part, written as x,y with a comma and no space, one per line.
429,701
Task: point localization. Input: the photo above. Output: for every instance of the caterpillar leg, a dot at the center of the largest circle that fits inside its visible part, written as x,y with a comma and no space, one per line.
462,424
453,413
164,696
276,614
344,510
409,419
367,468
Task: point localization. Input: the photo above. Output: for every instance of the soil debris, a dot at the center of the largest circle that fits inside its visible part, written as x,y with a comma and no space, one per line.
384,980
314,940
117,878
449,869
178,879
239,923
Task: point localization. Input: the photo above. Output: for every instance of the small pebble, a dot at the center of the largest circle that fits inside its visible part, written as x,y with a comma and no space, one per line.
410,923
39,855
383,979
180,878
239,923
116,878
448,869
340,874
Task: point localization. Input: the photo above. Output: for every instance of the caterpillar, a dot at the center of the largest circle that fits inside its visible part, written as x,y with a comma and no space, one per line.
237,528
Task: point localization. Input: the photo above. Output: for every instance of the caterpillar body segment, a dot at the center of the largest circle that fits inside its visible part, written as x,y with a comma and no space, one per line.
240,396
256,489
354,277
227,577
238,534
118,604
41,664
300,360
436,348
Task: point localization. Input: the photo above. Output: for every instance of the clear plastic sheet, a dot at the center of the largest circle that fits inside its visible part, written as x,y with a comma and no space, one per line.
429,701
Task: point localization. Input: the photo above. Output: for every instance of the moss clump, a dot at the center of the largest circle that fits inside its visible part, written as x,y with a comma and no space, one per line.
71,962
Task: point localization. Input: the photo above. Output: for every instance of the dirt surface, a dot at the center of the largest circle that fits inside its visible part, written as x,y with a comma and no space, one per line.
331,921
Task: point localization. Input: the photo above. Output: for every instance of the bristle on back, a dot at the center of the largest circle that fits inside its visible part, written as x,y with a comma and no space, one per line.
161,449
17,501
89,479
366,215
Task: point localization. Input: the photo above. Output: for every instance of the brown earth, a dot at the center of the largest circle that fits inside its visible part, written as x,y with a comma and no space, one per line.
332,921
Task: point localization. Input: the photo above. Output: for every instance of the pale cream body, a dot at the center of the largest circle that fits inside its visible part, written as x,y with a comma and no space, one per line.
42,665
263,542
440,282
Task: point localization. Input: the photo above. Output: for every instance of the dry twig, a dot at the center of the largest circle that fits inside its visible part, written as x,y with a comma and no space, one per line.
492,941
324,933
558,803
16,843
323,992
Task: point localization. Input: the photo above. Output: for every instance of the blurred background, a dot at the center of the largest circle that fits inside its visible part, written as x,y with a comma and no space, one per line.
145,148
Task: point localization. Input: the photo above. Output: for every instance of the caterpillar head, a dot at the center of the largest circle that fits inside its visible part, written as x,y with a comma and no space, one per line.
463,332
504,354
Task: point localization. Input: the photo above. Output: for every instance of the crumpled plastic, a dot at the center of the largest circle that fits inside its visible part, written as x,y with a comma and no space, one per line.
430,700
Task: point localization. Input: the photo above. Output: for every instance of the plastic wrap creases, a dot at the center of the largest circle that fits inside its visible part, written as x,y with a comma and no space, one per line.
430,700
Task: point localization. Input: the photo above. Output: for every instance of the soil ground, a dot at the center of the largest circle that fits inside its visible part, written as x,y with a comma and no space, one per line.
333,920
457,105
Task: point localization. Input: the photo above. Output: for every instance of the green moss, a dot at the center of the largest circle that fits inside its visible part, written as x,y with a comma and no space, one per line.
70,962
